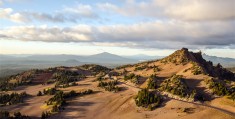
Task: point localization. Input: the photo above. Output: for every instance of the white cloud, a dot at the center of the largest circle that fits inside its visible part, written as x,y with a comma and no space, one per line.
189,10
202,10
7,13
171,34
81,10
53,34
68,14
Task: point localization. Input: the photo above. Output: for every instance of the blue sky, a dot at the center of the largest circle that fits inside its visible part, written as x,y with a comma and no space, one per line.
124,27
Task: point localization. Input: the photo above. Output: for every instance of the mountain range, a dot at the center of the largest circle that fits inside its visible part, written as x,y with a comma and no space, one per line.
182,85
11,64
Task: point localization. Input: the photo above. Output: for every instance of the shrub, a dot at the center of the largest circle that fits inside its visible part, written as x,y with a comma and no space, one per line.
49,91
13,98
45,115
109,86
147,99
16,115
151,84
59,99
176,86
130,76
140,68
39,93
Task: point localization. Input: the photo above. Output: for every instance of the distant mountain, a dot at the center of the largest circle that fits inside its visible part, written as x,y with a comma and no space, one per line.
7,57
18,63
143,57
104,57
226,62
61,57
109,58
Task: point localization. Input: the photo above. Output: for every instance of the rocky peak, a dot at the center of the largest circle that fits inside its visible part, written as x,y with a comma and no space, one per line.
183,56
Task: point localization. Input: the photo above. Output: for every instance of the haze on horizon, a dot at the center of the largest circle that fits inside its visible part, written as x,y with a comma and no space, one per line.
125,27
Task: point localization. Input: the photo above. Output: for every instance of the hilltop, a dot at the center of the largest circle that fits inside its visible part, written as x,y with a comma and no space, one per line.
181,85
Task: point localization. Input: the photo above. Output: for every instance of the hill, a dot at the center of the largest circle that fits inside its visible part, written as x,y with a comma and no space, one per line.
226,62
108,58
13,64
181,85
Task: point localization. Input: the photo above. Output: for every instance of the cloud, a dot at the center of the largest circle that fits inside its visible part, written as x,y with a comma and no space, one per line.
187,10
45,34
182,10
169,34
80,10
68,14
7,13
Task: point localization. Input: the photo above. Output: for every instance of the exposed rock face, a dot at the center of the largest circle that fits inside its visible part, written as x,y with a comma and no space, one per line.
184,56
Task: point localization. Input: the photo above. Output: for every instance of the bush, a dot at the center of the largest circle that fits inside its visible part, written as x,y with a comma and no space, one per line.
140,68
39,93
109,86
196,69
16,115
49,91
232,96
66,78
13,98
218,88
176,86
132,77
147,99
151,84
59,99
45,115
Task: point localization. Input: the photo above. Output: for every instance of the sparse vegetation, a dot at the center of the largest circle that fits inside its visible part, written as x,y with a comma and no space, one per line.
49,91
176,86
16,115
59,99
232,96
124,66
66,78
219,88
196,70
151,82
132,77
147,99
109,86
11,82
96,69
13,98
179,57
99,78
45,115
39,93
140,68
156,68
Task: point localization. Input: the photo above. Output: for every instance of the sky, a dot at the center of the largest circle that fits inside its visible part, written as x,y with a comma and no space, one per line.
123,27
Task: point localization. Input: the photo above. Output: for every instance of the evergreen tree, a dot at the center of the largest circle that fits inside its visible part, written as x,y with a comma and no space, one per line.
39,93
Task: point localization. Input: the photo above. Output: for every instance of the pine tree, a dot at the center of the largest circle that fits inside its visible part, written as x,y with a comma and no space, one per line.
39,93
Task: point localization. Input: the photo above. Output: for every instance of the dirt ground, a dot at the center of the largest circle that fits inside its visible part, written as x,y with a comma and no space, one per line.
121,105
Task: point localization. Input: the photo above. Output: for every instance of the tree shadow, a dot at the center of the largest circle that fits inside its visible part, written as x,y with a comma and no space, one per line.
202,95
